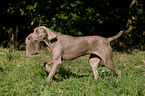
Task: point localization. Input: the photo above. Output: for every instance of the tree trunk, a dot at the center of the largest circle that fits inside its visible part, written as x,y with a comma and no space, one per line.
13,38
16,36
131,20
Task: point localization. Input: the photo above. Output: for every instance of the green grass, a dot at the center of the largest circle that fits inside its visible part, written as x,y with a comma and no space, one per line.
22,76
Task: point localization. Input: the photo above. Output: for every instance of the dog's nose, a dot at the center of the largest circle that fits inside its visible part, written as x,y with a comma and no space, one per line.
28,55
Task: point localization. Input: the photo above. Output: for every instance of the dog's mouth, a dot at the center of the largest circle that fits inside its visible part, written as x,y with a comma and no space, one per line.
33,54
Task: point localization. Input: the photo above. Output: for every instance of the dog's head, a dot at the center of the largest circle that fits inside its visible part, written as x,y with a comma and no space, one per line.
40,32
32,46
32,41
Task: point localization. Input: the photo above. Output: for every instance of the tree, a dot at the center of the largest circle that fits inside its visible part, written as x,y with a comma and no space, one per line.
76,17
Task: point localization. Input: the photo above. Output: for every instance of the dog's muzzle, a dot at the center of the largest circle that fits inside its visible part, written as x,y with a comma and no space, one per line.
31,54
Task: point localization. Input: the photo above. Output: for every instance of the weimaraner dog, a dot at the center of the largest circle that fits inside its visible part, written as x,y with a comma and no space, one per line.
64,47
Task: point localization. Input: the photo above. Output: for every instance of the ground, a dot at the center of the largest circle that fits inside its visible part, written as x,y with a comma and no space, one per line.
22,76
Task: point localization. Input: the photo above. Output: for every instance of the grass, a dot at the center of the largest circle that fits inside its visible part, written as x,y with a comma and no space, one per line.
22,76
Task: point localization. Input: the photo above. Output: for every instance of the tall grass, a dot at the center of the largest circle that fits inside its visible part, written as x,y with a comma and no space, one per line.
22,76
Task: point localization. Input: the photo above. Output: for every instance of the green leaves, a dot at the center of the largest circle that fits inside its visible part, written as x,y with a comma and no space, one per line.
29,7
32,7
82,17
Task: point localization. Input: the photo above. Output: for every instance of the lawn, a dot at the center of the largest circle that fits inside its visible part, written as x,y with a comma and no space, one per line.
22,76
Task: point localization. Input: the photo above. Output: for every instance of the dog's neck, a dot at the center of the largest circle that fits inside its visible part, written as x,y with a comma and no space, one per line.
48,43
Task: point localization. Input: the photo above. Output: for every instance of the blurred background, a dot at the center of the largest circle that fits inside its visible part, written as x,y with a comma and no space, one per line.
106,18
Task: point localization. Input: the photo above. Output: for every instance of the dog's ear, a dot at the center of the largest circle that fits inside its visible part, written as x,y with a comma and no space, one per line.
39,33
50,34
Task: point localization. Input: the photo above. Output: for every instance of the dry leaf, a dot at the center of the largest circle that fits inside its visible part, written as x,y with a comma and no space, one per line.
143,61
124,64
138,66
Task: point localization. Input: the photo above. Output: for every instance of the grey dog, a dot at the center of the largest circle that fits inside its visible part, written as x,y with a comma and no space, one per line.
65,47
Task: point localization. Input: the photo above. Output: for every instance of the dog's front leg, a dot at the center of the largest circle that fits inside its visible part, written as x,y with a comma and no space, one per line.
55,66
47,63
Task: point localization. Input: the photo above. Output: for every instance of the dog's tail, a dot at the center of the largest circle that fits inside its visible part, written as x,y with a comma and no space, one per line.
116,36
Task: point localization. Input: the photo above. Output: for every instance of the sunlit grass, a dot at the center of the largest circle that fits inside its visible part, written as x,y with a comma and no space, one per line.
24,76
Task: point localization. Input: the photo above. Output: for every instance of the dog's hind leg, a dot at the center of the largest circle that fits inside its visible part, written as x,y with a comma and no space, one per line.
108,61
94,62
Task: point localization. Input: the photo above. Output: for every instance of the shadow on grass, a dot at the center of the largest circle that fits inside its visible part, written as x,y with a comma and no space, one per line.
108,74
65,73
62,73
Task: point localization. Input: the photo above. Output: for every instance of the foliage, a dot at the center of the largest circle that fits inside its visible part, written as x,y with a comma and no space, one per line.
21,76
76,17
